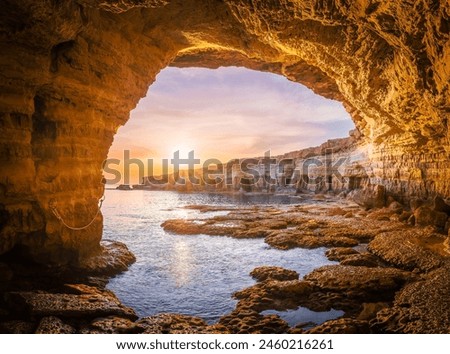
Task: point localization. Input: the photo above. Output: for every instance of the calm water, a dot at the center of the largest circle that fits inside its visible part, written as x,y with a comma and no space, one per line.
192,275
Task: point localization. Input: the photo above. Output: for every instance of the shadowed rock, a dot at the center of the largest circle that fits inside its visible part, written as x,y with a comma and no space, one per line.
167,323
114,257
370,197
243,321
112,324
405,250
54,325
87,303
420,307
17,327
425,216
341,326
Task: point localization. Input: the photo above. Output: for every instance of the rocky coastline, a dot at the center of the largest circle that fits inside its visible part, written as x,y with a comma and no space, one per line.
392,277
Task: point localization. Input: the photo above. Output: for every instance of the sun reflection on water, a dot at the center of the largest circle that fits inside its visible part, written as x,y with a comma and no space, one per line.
182,264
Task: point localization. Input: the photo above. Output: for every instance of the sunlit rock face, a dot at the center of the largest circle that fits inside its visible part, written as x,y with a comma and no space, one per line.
71,72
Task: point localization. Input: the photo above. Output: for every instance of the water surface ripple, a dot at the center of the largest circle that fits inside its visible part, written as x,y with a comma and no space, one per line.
192,275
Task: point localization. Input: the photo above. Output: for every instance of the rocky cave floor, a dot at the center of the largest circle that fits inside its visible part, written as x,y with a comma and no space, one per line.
393,275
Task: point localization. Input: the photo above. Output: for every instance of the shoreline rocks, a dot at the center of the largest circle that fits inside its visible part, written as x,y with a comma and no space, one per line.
400,284
420,307
114,257
89,302
273,273
404,250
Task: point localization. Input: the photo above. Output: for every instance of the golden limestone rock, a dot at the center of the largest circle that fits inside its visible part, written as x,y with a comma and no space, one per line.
71,72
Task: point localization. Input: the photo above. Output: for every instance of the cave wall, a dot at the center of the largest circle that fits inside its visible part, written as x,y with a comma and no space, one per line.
71,72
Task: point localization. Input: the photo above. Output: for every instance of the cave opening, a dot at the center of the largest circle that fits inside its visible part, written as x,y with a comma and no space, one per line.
71,73
221,114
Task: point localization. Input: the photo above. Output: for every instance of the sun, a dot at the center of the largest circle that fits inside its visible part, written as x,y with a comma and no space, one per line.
181,143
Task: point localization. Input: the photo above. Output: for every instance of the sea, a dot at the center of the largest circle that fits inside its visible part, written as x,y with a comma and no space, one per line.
197,274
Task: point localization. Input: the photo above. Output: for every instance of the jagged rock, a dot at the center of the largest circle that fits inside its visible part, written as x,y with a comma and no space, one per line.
114,257
62,102
420,307
255,232
440,205
359,282
447,226
425,216
290,239
447,243
272,294
113,324
340,253
337,211
370,197
167,323
370,309
197,227
54,325
341,326
396,207
383,214
88,303
405,250
361,259
404,216
17,327
285,230
244,321
338,287
415,203
273,273
271,224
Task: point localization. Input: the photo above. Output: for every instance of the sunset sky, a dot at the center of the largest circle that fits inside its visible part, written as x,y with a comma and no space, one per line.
227,113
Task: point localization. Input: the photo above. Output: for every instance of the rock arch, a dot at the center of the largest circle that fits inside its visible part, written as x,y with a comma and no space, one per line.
72,71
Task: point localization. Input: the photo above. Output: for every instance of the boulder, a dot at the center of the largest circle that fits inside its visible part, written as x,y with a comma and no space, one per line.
112,324
441,205
244,321
17,327
54,325
420,307
114,257
404,250
415,203
361,260
359,282
425,216
88,303
340,253
273,273
372,196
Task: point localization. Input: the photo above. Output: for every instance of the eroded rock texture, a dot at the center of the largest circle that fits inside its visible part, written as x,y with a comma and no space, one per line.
71,72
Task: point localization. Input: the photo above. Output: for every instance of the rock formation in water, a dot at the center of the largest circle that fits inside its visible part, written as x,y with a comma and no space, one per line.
71,72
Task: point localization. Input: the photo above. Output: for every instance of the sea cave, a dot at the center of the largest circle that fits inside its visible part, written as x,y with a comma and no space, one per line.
71,73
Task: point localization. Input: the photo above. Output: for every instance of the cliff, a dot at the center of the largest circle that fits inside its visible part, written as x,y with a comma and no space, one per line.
71,72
